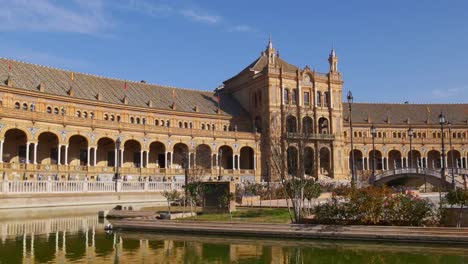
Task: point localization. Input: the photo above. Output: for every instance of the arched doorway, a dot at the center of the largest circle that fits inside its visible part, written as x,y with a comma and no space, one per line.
433,160
203,156
292,161
325,161
358,160
309,161
180,156
307,125
414,158
14,148
394,159
77,151
453,159
247,158
378,160
225,157
323,126
132,154
47,148
105,153
157,155
291,124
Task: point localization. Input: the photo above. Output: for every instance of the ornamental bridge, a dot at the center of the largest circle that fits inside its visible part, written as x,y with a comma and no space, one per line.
421,175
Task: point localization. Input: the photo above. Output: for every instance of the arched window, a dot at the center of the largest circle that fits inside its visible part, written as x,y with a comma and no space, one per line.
85,114
17,105
291,124
156,122
202,126
25,106
185,125
306,98
49,110
225,128
286,96
91,115
163,123
180,124
168,123
106,117
143,121
118,118
56,111
112,117
63,110
294,96
132,120
326,98
319,99
323,126
32,107
137,120
78,112
213,127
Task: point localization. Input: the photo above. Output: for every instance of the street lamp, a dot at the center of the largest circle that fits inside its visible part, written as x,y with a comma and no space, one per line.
442,122
373,132
451,153
353,169
118,142
410,134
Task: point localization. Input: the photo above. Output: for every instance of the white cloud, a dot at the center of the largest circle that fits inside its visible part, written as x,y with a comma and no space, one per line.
242,28
200,16
142,6
78,16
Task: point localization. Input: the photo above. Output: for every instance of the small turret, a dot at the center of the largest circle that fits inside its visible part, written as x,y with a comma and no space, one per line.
271,52
333,61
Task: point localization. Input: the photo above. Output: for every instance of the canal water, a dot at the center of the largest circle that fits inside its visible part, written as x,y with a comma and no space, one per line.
81,239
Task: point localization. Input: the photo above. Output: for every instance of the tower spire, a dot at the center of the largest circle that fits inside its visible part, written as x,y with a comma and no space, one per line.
270,43
333,60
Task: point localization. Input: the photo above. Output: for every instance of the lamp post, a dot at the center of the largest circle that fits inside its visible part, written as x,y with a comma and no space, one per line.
410,134
451,153
442,122
353,169
373,132
118,142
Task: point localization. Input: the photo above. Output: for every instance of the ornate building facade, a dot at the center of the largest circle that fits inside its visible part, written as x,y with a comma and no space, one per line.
65,124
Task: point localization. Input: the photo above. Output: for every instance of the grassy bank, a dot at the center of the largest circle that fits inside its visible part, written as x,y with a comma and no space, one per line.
253,215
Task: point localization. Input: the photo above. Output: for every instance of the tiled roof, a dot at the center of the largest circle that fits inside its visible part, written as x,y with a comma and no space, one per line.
404,114
85,86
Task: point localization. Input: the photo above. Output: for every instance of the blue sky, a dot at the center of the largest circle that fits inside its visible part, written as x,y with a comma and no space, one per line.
390,51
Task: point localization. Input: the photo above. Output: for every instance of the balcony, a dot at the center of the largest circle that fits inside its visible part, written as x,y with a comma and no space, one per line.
307,136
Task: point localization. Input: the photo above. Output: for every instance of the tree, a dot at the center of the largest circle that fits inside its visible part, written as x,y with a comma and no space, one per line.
312,191
458,197
171,196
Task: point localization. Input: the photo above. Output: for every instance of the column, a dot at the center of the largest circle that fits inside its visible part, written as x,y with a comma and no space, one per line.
95,156
166,159
27,152
121,157
194,159
172,157
35,153
59,156
147,158
115,158
66,155
188,161
1,151
383,163
255,161
238,162
88,158
386,163
214,161
233,162
141,159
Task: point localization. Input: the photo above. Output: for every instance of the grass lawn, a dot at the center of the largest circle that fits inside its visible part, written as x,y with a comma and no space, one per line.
257,215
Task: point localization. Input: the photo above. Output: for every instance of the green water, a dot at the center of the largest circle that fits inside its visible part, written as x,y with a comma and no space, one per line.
81,239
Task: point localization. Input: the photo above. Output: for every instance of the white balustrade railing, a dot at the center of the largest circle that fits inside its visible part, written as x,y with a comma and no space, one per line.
26,186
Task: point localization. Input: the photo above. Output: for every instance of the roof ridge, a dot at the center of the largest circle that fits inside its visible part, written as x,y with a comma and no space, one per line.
108,78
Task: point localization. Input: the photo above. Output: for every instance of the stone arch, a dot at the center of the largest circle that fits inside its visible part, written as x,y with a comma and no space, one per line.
307,125
323,125
433,159
203,156
105,152
77,150
456,159
325,161
132,153
71,134
180,155
291,124
225,157
47,148
292,160
394,159
414,158
358,159
309,161
247,156
24,130
14,146
157,155
378,160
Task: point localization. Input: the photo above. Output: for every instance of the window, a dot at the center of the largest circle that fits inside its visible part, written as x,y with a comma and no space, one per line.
202,126
213,127
185,125
63,111
49,110
106,117
112,118
286,96
225,128
132,120
17,105
33,107
143,121
168,123
326,98
294,96
118,118
319,99
156,122
137,120
25,106
85,114
306,98
56,111
180,124
78,113
91,115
